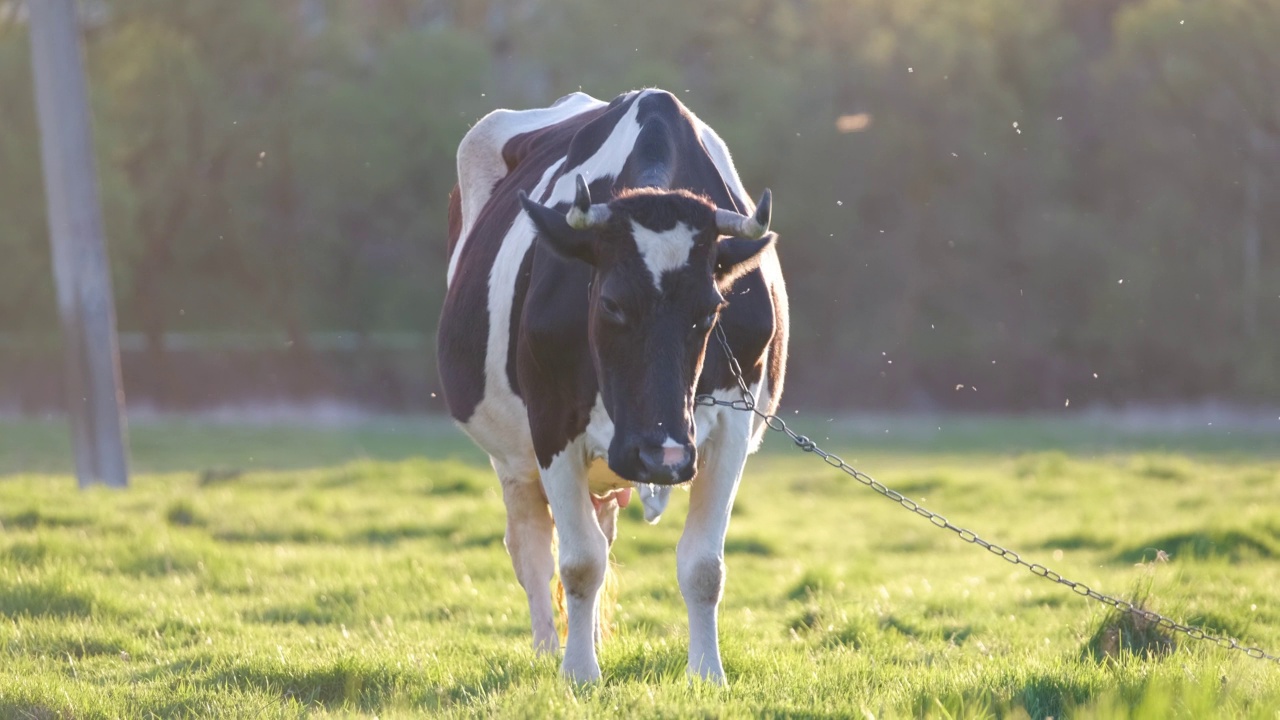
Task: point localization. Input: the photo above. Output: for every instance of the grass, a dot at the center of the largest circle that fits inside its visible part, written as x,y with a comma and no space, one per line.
269,572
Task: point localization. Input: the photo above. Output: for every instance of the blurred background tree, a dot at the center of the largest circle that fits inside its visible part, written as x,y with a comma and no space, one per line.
1003,196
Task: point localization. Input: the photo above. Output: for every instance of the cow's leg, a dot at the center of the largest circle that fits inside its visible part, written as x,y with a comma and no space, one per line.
584,554
528,541
607,516
700,553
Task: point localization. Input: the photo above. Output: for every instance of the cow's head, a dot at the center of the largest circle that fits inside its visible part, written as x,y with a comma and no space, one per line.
662,261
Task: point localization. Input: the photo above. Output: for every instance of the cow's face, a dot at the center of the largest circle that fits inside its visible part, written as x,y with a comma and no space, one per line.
661,265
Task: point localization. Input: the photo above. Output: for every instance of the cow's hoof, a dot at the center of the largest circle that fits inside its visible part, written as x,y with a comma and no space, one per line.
546,646
713,676
585,674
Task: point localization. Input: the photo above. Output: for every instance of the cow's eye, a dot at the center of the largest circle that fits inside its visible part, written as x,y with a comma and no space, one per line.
612,310
707,321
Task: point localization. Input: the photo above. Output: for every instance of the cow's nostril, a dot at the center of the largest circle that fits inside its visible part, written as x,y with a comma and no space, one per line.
674,456
664,457
665,463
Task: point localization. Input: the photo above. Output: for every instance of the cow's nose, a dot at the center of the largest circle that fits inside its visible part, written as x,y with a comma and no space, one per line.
666,463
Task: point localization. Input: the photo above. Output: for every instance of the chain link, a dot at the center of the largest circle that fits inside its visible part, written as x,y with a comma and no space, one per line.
777,424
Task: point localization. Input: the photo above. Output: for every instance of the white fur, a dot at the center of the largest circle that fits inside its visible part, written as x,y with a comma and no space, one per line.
663,251
700,552
723,161
480,163
608,162
584,555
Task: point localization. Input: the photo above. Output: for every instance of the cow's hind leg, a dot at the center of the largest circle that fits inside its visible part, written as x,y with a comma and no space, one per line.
529,541
607,516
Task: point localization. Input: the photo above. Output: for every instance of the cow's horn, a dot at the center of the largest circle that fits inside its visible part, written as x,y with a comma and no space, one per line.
729,222
583,215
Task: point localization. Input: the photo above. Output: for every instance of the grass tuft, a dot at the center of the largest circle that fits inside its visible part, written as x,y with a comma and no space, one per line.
182,513
1123,634
814,582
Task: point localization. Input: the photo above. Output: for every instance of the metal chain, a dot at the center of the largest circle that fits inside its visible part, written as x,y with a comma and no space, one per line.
777,424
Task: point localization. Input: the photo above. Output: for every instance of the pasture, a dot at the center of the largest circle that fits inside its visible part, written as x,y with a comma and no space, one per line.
255,571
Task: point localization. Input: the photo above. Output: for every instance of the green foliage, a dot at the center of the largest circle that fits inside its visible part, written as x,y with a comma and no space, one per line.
26,291
338,573
1037,192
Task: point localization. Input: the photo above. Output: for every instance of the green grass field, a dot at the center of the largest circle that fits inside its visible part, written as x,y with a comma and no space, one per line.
265,572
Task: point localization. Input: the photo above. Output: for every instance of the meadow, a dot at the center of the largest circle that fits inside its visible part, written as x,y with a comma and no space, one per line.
260,571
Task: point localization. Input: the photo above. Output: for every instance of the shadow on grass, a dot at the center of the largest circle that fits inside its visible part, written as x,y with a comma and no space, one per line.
377,535
1077,541
1235,546
48,598
68,643
647,665
1042,697
13,707
342,684
954,634
32,519
26,554
1054,697
325,608
748,546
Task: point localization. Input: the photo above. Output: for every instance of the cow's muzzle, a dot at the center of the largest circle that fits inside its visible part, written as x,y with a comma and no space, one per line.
668,463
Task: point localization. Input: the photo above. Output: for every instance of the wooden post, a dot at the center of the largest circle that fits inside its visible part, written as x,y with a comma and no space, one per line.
95,398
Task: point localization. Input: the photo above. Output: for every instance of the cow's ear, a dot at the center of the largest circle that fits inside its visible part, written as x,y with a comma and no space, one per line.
737,256
552,227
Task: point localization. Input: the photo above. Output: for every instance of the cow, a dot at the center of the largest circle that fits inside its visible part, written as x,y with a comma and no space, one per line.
593,248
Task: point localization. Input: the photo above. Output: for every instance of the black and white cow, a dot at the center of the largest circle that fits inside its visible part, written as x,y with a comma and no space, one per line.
574,338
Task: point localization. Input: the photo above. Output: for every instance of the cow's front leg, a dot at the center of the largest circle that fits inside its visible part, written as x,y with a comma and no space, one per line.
700,554
584,555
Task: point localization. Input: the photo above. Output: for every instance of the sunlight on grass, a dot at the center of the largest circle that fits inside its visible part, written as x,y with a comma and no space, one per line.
364,579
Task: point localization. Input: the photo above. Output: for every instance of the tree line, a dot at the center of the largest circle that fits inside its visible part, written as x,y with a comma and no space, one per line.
994,204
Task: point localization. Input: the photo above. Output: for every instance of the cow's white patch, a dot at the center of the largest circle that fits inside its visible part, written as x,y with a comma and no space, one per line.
502,283
663,251
608,160
599,431
584,556
700,552
500,423
480,163
720,157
